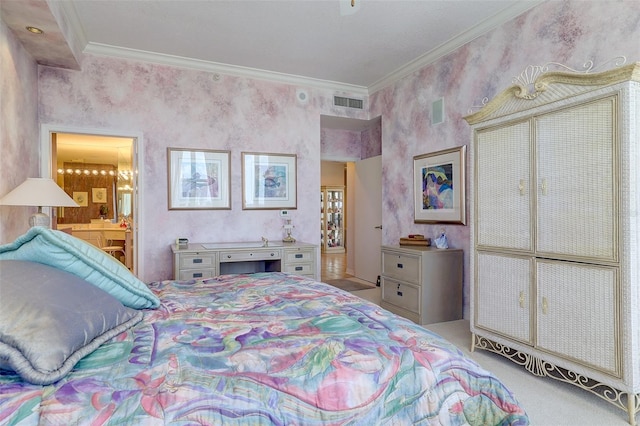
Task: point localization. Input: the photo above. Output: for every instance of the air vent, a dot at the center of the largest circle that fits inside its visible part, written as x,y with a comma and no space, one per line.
347,102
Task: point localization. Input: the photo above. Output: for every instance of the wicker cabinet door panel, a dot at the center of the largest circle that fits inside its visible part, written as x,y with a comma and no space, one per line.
503,187
503,295
577,203
577,315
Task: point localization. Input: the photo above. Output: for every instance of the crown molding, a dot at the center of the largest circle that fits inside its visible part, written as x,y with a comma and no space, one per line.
428,58
220,68
460,40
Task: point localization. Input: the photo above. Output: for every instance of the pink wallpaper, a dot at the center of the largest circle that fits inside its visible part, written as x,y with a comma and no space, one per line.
349,145
568,32
340,145
193,109
371,142
183,108
19,132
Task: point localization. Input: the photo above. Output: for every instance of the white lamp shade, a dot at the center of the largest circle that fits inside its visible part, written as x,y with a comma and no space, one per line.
40,192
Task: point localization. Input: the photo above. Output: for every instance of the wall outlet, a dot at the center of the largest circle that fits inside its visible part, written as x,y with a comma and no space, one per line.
284,213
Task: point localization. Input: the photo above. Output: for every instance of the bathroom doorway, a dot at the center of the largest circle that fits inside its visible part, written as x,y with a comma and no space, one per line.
100,169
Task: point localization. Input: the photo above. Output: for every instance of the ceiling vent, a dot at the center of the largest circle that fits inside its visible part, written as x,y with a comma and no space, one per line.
347,102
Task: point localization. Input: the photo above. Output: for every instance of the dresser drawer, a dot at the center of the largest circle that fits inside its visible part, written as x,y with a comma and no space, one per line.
401,266
197,261
244,255
196,274
405,296
300,255
300,269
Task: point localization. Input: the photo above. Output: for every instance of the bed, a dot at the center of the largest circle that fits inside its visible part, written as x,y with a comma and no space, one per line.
258,349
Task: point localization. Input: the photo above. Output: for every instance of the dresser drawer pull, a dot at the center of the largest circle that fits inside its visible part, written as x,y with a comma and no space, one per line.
299,256
197,275
400,265
299,268
197,260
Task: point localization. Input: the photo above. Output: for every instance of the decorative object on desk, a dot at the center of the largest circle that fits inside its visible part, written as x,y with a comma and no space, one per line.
182,243
99,195
415,240
269,181
199,179
81,198
442,242
104,211
39,192
287,228
439,186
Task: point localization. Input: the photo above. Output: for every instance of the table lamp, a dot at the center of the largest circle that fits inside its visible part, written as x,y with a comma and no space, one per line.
40,192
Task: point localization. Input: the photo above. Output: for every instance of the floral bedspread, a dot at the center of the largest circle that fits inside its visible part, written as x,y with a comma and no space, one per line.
266,349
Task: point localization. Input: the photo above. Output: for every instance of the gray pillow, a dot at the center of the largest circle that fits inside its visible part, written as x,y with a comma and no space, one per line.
50,319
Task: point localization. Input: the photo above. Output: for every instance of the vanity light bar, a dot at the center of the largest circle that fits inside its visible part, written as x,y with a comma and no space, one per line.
125,174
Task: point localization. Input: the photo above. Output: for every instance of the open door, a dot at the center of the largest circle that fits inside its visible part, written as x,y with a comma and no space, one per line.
368,222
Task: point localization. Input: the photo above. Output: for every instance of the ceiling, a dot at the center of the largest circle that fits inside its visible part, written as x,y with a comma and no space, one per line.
325,43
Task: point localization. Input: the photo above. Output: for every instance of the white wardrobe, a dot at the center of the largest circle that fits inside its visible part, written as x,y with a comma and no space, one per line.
555,165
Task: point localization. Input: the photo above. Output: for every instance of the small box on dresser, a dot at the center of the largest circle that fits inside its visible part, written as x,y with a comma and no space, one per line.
423,284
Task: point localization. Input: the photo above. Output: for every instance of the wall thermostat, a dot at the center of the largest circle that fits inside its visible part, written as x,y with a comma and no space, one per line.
284,213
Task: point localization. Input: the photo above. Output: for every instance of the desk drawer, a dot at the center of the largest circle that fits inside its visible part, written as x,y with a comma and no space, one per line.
242,255
299,269
403,295
401,266
301,255
196,274
197,261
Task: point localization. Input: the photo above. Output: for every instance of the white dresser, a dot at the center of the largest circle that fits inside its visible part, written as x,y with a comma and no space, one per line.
423,284
554,203
206,260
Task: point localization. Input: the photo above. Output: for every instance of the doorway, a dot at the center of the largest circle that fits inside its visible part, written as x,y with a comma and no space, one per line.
345,141
101,169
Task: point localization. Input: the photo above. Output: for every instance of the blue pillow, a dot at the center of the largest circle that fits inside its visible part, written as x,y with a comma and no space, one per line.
50,319
76,256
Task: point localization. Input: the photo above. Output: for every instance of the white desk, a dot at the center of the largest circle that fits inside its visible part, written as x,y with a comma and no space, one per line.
205,260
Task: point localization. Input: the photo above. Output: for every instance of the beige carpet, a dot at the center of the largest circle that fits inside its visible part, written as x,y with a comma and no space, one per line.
548,402
350,284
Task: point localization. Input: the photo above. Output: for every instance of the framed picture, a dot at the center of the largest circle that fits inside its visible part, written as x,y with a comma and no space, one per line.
82,198
99,195
439,186
199,179
268,181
